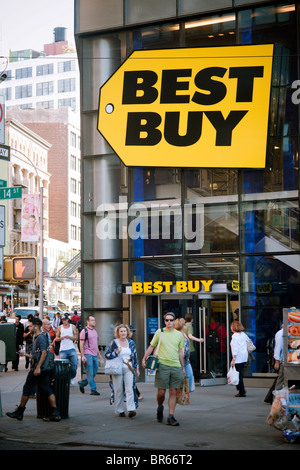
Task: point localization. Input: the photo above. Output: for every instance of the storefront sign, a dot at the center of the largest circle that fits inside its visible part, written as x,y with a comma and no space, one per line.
199,107
167,286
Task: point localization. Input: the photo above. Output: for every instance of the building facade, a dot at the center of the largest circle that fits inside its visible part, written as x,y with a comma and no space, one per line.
48,79
28,169
246,238
60,127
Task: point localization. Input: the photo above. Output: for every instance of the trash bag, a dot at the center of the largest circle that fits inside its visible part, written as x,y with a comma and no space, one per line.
278,417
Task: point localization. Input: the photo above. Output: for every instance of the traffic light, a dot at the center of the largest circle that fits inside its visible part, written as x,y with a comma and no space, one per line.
20,269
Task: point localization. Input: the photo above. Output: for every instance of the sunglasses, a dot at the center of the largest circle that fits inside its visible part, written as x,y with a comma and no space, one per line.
169,319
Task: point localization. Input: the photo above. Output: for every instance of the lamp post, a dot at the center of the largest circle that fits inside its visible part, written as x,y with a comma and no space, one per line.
41,275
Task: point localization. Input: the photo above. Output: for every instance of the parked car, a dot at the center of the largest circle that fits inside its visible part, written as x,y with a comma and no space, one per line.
51,311
24,312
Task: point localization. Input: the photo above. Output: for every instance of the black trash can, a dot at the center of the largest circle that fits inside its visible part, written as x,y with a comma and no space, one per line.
61,390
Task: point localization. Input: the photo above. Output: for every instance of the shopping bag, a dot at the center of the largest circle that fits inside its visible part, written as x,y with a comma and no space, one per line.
113,366
233,376
183,395
152,363
250,346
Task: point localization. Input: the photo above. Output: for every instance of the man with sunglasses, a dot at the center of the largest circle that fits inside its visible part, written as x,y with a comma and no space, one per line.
170,373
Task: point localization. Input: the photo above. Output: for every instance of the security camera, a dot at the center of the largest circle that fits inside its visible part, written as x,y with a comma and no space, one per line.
3,77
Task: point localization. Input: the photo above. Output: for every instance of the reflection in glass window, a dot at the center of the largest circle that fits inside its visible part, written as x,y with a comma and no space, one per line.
270,225
212,31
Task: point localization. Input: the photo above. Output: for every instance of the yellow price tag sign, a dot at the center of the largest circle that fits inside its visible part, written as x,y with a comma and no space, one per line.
191,107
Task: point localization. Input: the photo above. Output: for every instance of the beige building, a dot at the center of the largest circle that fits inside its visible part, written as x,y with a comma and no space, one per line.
28,168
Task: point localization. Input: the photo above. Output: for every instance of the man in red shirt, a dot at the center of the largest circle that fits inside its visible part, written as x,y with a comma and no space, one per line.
90,354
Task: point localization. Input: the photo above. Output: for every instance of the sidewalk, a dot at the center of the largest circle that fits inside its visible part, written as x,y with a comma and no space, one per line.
215,420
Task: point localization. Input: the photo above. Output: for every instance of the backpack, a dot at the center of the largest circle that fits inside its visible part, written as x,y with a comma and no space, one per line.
212,339
86,336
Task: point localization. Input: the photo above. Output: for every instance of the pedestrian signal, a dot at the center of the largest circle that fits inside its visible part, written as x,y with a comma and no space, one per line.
20,268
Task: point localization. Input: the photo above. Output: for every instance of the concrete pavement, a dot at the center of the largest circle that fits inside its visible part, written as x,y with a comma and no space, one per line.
214,420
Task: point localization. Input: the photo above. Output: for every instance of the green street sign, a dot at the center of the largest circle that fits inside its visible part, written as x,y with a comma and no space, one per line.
3,183
11,193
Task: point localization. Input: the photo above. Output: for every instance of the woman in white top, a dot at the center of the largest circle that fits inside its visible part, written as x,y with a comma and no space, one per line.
239,353
124,348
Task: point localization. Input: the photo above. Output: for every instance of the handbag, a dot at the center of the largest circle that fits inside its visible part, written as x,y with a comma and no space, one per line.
233,376
113,366
250,346
152,362
48,364
183,395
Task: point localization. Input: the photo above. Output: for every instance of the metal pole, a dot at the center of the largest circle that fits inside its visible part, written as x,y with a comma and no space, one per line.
41,276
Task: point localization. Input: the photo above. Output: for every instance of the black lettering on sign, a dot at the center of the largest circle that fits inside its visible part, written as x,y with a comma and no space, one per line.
138,87
245,81
204,81
224,127
138,123
170,85
193,133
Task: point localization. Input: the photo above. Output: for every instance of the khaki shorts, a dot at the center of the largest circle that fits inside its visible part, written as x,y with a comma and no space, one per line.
168,377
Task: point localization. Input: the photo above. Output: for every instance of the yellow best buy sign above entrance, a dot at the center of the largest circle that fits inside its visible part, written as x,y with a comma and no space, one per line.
199,107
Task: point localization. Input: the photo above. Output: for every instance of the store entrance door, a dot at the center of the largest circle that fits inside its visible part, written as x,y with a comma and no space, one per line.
214,318
212,315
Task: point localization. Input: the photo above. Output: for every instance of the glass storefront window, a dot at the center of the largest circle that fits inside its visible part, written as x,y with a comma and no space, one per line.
207,182
211,227
156,269
155,214
154,37
270,283
270,225
216,30
221,270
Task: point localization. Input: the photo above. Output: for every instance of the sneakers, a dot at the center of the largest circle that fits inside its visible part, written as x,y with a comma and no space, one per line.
17,414
160,414
172,421
131,414
94,392
239,395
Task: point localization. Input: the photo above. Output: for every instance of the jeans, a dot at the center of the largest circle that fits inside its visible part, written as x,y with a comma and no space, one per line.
190,376
70,354
91,369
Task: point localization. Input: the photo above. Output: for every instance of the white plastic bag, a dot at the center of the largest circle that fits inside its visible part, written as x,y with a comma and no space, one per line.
233,376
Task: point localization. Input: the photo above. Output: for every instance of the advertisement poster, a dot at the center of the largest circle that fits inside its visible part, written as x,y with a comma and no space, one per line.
30,218
293,328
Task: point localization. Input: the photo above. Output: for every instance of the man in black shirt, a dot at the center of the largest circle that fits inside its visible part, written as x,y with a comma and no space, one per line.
19,341
35,376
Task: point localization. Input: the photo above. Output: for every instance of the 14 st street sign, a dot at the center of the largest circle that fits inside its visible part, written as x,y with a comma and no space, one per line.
11,193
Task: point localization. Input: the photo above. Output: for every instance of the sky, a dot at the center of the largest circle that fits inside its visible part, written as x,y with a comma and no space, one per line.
29,24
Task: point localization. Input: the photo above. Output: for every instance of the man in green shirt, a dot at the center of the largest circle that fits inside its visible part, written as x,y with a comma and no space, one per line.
171,371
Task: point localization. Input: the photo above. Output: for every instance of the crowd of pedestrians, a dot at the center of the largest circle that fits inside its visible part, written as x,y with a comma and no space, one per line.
68,338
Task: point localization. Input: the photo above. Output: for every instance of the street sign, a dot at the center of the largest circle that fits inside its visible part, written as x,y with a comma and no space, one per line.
190,107
2,226
4,152
11,193
3,184
2,119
